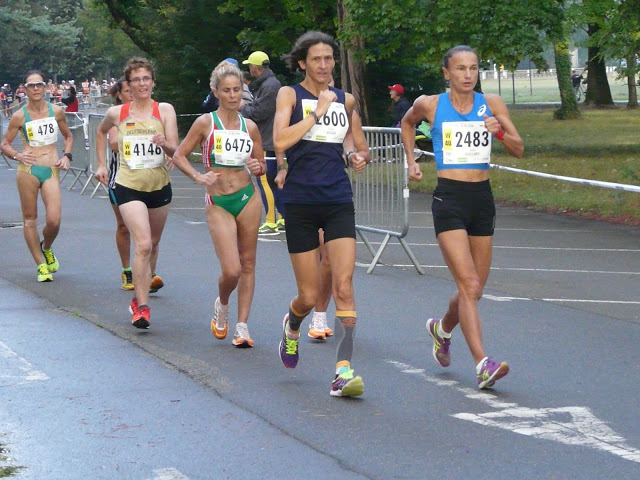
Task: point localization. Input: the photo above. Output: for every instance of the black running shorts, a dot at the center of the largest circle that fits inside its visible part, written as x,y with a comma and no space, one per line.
463,206
303,221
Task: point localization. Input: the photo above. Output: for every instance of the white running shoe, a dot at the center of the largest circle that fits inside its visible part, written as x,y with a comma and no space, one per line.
241,336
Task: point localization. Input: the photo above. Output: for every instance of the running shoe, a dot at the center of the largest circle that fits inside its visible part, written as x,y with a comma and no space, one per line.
318,327
43,273
346,385
490,372
440,345
141,318
50,258
280,224
219,324
288,346
241,338
268,229
133,306
156,283
127,280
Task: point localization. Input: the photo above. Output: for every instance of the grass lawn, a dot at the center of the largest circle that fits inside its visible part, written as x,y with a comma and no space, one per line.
604,145
544,88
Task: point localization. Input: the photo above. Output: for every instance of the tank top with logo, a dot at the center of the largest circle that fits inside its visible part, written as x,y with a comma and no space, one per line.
226,148
141,165
460,140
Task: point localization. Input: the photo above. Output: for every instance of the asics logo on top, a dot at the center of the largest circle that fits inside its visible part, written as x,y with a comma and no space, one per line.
482,110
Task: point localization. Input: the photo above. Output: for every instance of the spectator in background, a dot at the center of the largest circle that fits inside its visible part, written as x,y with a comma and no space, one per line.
71,101
211,103
21,93
401,104
575,79
262,111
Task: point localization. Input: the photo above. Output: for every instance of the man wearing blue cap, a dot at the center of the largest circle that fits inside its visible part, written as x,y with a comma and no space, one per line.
262,111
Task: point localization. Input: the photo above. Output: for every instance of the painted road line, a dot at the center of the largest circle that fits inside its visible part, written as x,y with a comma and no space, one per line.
509,247
168,474
15,370
560,300
575,426
522,269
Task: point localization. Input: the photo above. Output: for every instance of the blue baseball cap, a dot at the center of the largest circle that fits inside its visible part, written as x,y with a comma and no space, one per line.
231,60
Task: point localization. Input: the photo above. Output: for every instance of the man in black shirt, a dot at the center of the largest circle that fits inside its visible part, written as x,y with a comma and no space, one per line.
396,92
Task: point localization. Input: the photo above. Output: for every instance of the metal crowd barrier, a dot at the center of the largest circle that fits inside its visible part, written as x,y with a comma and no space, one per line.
94,121
381,193
1,137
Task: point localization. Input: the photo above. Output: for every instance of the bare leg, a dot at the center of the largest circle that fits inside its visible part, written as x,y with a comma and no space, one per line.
28,187
50,192
469,261
247,223
145,226
123,239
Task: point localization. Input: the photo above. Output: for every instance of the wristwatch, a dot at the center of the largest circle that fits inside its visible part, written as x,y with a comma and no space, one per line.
68,155
282,167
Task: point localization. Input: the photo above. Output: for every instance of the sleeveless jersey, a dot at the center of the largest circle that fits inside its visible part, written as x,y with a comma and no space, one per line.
141,162
226,148
317,172
461,140
41,132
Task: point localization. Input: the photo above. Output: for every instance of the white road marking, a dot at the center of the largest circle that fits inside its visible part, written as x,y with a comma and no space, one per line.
509,247
12,362
191,222
561,300
168,474
569,425
521,269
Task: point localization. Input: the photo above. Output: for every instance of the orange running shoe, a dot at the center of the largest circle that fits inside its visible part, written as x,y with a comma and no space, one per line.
142,317
156,283
219,324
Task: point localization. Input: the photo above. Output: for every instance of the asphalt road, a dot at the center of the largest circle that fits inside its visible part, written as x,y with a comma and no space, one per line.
86,395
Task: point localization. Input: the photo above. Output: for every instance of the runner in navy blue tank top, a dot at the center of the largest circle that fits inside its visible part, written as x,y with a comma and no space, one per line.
312,124
463,124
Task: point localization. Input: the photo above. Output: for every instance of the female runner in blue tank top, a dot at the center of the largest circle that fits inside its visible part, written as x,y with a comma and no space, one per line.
38,169
231,149
463,124
311,124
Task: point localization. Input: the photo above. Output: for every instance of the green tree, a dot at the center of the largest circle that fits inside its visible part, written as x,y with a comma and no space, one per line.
619,37
30,40
186,39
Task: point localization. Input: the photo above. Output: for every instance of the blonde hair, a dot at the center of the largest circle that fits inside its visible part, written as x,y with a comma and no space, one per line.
224,69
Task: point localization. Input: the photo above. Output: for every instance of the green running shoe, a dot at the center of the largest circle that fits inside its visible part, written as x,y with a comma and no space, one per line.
50,258
43,273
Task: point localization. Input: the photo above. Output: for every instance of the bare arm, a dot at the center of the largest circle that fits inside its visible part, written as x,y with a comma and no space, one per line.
257,165
106,124
285,135
421,109
354,158
169,141
502,121
63,162
197,133
12,131
113,139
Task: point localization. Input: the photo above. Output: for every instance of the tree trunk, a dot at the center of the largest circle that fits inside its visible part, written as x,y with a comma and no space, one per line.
598,90
352,72
568,105
631,83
